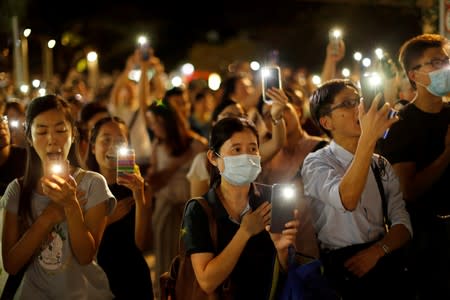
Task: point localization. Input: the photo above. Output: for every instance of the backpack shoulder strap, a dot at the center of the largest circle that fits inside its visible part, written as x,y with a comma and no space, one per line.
211,221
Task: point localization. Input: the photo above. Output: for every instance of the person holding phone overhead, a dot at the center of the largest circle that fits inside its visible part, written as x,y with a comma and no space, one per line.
247,249
354,195
54,223
128,233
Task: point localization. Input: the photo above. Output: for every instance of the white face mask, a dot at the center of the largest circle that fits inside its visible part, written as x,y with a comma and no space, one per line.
440,82
241,169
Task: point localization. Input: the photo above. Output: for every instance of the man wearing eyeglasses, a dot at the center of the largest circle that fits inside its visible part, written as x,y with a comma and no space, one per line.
418,147
360,256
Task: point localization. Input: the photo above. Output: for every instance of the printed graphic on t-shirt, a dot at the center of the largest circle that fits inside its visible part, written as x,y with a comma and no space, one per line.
51,253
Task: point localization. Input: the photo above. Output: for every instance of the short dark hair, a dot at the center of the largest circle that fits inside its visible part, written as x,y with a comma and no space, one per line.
414,48
323,97
90,109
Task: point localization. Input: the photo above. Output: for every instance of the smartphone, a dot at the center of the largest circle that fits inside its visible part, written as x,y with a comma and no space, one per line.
57,167
144,47
125,161
284,202
371,85
335,37
270,77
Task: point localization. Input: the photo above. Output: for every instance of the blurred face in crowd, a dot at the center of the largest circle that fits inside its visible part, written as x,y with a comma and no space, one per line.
244,88
182,104
5,137
234,110
111,136
155,123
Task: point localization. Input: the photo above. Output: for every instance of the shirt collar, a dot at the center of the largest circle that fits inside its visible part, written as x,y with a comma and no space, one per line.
342,155
254,200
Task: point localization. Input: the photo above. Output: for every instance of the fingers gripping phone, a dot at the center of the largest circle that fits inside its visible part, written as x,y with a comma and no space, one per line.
125,161
57,167
270,77
284,202
371,85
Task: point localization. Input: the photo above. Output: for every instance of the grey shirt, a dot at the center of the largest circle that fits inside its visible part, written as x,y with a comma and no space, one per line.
54,272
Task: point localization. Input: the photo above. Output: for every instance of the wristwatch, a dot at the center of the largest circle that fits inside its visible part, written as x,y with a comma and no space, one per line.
385,248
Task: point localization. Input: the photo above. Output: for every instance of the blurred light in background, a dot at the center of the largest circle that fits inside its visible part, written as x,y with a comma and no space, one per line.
254,65
92,56
357,56
214,81
24,88
316,79
366,62
51,44
36,83
176,81
379,53
187,69
345,72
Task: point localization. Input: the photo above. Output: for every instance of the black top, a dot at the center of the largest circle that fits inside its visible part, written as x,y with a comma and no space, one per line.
123,262
252,276
14,167
419,137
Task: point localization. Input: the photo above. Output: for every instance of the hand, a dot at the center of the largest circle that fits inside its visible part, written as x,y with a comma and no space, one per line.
54,213
332,54
375,121
253,222
134,181
60,190
279,102
362,262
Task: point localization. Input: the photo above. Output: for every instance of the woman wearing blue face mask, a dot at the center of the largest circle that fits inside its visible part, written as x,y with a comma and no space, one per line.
247,251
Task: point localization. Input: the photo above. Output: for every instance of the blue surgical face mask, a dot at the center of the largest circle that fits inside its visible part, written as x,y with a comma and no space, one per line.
241,169
440,82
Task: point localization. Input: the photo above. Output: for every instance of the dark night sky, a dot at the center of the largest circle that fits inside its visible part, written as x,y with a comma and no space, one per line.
298,29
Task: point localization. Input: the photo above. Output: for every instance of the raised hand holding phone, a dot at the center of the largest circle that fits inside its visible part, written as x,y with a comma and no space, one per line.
125,162
336,43
270,77
144,47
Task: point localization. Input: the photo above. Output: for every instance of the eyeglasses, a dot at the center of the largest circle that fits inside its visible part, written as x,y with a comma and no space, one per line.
436,63
347,104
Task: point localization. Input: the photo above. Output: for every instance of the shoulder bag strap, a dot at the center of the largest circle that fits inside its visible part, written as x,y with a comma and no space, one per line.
130,126
376,173
211,221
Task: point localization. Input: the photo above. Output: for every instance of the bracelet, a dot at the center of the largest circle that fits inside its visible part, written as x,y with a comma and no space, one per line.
276,121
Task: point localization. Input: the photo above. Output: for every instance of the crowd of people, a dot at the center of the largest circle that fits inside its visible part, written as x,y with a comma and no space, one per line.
370,179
